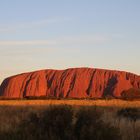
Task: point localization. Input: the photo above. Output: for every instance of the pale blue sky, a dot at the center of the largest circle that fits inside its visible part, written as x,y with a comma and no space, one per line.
40,34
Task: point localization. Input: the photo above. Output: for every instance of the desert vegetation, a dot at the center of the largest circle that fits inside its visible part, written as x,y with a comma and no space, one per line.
131,94
71,119
60,123
81,102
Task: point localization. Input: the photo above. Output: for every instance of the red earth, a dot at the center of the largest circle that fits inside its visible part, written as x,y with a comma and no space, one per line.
69,83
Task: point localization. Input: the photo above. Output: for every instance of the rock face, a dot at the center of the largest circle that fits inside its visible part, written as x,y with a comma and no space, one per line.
69,83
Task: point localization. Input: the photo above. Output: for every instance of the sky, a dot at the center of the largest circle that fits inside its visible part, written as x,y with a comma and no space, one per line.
60,34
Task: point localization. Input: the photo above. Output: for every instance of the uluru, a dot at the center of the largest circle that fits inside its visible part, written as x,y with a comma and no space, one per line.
69,83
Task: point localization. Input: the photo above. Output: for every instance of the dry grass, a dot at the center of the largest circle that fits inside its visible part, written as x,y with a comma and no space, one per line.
13,111
102,103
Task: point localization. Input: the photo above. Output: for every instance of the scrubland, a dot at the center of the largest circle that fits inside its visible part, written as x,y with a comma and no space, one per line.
69,119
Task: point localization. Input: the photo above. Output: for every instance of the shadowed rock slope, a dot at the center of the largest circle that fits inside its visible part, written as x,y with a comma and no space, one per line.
69,83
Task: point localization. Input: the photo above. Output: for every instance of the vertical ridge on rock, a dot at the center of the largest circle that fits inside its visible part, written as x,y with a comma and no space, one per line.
69,83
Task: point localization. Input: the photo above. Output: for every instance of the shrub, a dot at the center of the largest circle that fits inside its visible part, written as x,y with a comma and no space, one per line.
132,114
131,94
62,123
89,126
57,122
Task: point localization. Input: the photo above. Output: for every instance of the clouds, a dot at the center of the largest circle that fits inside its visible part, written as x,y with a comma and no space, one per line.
64,41
24,43
83,40
34,24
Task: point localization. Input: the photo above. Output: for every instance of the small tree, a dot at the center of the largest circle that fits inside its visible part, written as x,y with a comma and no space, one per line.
131,94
